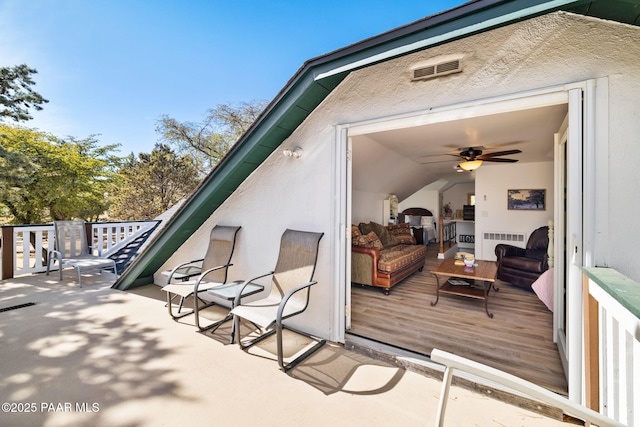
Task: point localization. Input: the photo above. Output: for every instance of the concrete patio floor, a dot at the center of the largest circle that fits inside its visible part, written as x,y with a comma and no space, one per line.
94,356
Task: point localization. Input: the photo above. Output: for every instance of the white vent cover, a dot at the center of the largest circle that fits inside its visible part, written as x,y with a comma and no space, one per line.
505,236
437,70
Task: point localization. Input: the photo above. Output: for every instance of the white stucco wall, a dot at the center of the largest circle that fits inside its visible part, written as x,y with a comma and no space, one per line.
543,52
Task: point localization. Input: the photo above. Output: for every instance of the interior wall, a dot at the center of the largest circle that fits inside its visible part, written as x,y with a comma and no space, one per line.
423,198
492,214
367,206
457,195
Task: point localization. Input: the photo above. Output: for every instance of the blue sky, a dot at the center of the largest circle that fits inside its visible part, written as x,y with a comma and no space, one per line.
113,67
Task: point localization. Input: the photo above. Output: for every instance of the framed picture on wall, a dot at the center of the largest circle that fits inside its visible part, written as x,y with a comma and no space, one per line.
526,200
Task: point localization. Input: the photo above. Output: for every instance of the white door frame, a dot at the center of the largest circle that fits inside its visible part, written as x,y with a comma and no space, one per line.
344,133
525,100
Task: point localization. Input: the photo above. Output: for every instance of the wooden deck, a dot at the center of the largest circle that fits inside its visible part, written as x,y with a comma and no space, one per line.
517,340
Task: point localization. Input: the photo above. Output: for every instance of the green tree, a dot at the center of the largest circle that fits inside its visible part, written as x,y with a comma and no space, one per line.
152,183
57,178
16,95
208,141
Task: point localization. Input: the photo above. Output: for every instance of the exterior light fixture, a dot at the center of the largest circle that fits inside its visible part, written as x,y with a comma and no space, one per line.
296,153
471,165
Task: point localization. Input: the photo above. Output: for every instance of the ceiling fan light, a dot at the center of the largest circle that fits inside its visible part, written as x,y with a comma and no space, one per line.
471,165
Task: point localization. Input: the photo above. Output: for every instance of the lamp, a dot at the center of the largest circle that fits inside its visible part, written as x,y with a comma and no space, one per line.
470,165
296,153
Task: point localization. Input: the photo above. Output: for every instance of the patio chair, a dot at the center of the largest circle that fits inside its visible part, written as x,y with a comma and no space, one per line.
290,290
71,249
209,272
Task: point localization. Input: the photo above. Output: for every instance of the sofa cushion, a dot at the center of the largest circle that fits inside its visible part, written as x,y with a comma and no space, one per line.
369,240
381,231
402,233
396,257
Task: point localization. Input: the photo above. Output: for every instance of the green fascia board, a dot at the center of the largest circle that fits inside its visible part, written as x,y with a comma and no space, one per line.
624,11
312,83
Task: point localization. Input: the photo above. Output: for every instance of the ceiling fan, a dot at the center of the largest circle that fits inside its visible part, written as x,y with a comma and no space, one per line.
473,157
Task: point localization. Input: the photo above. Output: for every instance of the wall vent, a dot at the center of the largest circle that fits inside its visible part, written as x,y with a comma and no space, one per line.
513,238
437,70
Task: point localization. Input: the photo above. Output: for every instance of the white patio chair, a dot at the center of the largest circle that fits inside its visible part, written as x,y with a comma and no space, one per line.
195,277
71,250
289,296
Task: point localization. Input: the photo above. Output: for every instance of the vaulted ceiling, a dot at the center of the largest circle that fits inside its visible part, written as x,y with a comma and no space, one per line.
411,158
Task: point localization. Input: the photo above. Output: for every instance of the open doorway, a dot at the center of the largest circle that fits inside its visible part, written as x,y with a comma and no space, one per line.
413,157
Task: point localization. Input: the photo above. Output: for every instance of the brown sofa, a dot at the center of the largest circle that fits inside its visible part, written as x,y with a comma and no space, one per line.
383,256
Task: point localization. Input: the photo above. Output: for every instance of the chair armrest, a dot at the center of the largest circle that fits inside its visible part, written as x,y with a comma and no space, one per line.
175,269
237,300
504,250
204,273
90,250
286,298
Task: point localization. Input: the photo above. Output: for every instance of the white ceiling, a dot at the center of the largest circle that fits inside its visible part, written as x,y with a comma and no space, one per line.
402,161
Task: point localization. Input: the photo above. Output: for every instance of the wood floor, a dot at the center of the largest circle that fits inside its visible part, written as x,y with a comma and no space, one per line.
517,340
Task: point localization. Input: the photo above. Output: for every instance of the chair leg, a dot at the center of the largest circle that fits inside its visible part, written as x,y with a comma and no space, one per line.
79,277
286,367
196,311
170,306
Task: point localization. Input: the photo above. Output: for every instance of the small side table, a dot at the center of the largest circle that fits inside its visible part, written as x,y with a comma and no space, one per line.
228,292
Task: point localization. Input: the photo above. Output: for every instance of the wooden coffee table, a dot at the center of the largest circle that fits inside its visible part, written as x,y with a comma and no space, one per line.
465,277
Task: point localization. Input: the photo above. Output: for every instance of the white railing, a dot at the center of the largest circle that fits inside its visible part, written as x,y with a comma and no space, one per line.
612,344
24,247
453,362
108,238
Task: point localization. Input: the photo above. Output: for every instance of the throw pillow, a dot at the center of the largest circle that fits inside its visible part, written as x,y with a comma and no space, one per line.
396,229
355,231
369,240
405,239
381,231
402,233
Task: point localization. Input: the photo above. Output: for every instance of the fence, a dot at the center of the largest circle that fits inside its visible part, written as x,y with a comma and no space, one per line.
24,248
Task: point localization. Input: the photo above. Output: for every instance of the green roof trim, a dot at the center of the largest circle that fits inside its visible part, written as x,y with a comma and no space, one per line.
316,79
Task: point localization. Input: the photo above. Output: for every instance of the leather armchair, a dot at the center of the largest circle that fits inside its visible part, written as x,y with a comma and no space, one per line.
521,267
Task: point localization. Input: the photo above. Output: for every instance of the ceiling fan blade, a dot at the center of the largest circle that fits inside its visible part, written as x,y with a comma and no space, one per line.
440,154
504,144
499,153
498,159
439,161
